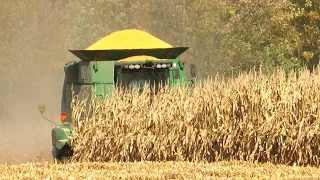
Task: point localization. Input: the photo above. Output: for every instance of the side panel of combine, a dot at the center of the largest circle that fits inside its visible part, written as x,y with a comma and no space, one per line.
177,73
83,88
71,71
77,82
103,77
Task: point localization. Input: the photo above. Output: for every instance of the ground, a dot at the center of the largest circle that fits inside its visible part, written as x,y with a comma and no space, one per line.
157,170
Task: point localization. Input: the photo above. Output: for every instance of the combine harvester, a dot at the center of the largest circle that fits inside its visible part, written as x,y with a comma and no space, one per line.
126,58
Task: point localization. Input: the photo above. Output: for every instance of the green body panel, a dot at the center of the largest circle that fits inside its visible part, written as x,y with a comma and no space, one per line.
97,74
182,73
103,77
60,136
60,140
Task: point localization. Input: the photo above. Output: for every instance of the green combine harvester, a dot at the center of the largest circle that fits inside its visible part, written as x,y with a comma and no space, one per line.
99,71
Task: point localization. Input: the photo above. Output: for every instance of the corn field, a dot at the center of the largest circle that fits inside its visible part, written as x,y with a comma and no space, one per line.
253,117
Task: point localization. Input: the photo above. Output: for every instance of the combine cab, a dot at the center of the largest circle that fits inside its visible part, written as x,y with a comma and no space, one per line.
99,71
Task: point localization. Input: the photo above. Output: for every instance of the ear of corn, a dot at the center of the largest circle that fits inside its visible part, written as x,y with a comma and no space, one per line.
254,117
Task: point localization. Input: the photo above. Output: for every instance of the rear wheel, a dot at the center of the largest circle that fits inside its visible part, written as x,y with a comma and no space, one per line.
64,159
63,155
61,160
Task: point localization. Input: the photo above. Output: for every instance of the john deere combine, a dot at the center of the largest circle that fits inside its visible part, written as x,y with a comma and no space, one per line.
99,70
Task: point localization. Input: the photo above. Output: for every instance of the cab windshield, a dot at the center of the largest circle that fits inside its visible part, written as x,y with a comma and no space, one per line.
138,78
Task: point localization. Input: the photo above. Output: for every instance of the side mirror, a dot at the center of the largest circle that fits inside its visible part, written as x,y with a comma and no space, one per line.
42,108
193,71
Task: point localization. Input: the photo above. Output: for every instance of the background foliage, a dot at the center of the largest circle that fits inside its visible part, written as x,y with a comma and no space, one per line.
225,36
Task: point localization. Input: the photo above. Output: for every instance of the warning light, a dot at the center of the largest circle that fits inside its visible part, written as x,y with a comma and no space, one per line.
41,108
63,116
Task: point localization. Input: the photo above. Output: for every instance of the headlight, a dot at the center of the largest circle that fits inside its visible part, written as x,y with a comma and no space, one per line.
163,65
137,66
126,66
174,65
131,66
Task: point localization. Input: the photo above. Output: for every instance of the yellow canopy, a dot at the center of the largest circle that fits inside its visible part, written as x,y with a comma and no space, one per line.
130,39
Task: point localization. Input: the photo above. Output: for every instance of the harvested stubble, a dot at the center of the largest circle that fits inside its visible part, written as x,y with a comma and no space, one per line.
156,170
253,118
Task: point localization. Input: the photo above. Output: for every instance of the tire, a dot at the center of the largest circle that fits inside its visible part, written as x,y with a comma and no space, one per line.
64,159
61,160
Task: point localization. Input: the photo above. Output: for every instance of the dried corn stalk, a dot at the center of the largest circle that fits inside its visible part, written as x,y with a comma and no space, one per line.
253,117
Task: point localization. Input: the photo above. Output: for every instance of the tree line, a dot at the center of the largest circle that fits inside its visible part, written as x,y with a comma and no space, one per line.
224,37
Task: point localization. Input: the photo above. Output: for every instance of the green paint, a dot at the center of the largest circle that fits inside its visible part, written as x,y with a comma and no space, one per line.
61,144
103,77
60,136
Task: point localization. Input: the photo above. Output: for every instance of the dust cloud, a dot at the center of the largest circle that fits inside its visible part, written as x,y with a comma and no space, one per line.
24,134
31,74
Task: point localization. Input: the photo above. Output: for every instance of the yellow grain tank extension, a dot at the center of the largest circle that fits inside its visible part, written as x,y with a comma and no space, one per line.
130,39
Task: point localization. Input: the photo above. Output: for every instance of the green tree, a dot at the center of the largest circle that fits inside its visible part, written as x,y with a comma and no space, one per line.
253,34
307,22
